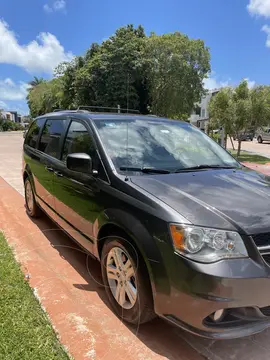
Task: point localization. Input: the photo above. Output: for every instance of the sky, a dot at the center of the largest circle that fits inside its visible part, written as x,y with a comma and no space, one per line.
36,35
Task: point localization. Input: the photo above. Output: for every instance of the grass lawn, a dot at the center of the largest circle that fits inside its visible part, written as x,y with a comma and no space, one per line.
246,156
25,331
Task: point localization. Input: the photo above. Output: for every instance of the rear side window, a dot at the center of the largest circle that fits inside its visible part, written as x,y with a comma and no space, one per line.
78,140
33,132
50,138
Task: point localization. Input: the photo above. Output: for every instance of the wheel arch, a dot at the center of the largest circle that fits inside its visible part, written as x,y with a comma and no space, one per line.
27,173
113,229
123,224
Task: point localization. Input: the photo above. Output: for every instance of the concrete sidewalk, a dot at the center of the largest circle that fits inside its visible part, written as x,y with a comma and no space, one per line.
11,144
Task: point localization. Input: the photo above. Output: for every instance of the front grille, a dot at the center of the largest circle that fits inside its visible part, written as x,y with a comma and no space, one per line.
261,239
265,310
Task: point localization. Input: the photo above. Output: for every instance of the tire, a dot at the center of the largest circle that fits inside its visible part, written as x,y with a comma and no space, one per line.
33,210
260,140
140,309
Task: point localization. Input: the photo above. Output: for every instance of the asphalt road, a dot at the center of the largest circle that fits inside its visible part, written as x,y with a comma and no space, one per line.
158,336
253,146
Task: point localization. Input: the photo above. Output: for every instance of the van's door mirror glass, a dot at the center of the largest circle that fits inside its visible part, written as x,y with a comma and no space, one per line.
80,162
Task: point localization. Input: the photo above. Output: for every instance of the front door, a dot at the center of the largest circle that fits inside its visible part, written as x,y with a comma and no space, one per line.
77,196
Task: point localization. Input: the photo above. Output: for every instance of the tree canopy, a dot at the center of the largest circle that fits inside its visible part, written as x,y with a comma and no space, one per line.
240,109
157,74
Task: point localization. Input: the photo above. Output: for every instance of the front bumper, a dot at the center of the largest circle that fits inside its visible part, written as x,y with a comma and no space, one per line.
196,290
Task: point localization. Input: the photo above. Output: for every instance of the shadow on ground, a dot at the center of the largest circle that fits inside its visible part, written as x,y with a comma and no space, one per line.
159,336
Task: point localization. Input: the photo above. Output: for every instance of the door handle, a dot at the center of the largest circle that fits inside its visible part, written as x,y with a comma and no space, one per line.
57,173
49,169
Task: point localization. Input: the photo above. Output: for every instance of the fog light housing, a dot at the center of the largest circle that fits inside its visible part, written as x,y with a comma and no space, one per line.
218,315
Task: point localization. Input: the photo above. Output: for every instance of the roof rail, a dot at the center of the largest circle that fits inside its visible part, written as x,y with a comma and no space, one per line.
56,110
117,109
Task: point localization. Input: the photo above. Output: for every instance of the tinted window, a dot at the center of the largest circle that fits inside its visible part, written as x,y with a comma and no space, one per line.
32,135
78,140
50,138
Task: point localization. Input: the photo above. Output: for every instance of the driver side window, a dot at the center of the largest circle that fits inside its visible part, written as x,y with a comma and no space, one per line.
78,140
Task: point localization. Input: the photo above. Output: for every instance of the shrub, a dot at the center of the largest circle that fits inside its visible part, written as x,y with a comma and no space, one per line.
10,126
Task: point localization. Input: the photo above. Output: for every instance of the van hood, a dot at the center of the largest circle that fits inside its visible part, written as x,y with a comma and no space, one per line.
232,199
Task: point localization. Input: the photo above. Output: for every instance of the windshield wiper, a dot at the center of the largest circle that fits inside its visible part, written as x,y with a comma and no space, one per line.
146,170
205,166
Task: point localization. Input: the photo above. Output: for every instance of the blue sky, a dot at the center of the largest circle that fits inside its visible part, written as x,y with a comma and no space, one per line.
35,35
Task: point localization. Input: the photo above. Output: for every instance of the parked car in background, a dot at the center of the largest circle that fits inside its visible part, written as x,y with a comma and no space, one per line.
263,135
181,228
245,135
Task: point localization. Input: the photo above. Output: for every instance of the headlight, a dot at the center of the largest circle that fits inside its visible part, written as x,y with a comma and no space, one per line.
207,245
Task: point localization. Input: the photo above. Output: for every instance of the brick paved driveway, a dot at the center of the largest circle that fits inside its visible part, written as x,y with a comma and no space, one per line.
160,339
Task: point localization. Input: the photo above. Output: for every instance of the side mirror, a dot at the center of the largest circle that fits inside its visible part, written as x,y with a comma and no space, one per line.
79,162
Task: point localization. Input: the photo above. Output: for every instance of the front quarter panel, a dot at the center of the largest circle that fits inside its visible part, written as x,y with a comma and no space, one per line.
150,236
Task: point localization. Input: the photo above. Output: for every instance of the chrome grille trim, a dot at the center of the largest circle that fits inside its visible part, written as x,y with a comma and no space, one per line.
265,249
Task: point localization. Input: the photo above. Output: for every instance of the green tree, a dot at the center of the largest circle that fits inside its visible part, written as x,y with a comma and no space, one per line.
240,109
176,67
36,81
66,73
45,97
113,73
159,74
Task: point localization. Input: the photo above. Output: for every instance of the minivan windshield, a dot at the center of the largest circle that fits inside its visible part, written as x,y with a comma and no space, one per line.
163,145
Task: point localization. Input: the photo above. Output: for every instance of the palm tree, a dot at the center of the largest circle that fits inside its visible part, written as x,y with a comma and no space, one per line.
36,81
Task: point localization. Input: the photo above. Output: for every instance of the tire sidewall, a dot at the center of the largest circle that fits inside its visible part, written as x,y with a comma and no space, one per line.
33,212
130,315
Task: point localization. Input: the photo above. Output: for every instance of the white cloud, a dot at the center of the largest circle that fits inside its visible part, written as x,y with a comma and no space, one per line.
47,8
9,82
12,91
212,83
41,55
251,83
266,29
259,7
58,5
2,105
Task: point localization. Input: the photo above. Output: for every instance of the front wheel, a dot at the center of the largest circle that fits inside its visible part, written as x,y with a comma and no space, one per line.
260,140
126,282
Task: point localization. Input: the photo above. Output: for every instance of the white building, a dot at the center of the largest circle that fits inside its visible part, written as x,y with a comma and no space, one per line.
11,116
200,115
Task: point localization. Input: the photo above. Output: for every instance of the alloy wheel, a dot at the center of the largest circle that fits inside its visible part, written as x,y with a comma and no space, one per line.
121,278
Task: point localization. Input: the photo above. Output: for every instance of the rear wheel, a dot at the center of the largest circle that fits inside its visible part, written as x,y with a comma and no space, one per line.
31,206
126,282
